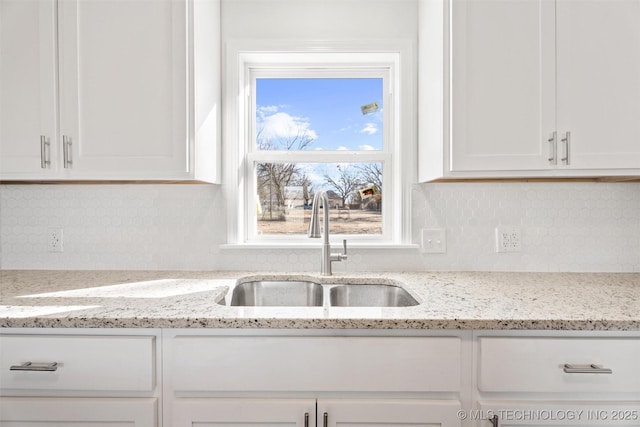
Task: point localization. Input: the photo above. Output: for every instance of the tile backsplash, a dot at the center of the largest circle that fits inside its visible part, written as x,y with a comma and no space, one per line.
566,226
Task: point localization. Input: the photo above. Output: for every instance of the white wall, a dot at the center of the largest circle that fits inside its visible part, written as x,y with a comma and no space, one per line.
565,227
319,19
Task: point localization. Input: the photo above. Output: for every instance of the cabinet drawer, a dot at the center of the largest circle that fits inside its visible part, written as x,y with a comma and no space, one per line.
408,364
538,364
100,363
79,412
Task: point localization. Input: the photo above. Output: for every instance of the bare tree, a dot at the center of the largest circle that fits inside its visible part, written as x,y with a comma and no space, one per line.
298,142
273,178
345,184
302,179
371,174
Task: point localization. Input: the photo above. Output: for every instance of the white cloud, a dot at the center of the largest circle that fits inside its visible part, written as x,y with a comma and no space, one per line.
268,109
283,125
265,110
366,147
370,129
342,148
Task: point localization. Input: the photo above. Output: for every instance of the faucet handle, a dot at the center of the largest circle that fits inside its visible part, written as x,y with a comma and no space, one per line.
336,256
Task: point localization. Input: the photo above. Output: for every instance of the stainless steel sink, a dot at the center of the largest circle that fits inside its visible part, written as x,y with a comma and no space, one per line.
305,293
376,295
273,293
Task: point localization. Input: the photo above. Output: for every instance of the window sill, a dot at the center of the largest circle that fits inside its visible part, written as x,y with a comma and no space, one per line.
317,246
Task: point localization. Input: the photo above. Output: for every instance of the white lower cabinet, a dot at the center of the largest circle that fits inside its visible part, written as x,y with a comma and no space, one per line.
84,378
303,412
557,379
312,379
79,412
320,378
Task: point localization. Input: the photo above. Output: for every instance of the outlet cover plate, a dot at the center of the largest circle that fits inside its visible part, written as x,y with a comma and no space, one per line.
54,240
508,239
434,240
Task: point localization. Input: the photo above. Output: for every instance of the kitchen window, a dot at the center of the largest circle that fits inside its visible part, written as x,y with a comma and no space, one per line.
318,121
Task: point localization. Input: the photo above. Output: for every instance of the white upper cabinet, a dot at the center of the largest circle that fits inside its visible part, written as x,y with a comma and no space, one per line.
533,88
502,84
599,82
123,88
28,131
130,91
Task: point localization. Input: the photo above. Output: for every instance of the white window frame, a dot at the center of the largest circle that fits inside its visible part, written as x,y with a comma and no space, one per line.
247,60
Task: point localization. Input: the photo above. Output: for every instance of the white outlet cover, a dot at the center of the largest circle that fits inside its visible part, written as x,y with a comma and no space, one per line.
434,240
508,239
55,241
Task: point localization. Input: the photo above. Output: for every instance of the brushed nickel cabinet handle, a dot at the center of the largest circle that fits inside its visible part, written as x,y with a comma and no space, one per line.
567,148
586,369
66,148
45,157
553,148
35,367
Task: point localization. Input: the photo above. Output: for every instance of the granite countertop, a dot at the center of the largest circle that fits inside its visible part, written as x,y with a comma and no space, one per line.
449,300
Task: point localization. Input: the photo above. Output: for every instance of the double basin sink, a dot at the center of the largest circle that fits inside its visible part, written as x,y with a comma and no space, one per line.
302,293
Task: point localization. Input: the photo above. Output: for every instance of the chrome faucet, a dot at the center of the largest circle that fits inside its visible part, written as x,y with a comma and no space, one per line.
314,232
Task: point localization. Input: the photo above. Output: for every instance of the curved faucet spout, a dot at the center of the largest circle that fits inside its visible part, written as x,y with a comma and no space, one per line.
314,225
314,232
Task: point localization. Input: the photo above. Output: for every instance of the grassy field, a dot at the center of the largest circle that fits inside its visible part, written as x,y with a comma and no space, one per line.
342,221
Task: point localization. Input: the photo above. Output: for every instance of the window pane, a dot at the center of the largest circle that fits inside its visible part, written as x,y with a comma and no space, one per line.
319,113
285,194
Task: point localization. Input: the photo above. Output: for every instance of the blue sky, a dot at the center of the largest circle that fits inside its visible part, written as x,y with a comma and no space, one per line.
326,110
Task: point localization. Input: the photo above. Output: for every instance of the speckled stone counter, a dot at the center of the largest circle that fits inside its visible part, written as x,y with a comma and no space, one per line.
448,300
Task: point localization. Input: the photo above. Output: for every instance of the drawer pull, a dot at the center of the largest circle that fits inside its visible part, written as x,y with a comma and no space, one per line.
39,367
586,369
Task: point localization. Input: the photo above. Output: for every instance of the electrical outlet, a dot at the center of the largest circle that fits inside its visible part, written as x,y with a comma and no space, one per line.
54,240
434,240
508,239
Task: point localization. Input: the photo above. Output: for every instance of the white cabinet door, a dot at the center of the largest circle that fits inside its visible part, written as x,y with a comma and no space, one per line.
79,412
27,87
123,90
541,88
389,413
599,82
243,412
503,85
